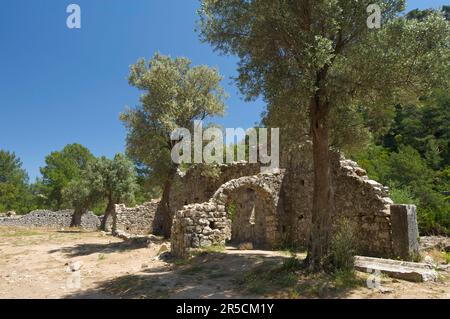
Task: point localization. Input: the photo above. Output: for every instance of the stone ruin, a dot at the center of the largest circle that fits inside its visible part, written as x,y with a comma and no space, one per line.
271,210
137,220
50,219
236,204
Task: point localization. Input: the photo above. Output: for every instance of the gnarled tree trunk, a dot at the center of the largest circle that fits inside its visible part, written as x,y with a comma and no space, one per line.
319,242
163,216
76,217
108,212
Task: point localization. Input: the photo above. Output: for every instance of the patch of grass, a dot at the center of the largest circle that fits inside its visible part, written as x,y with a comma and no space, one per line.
181,261
269,276
21,233
291,264
208,250
217,273
287,279
439,256
194,270
101,257
328,285
346,279
287,246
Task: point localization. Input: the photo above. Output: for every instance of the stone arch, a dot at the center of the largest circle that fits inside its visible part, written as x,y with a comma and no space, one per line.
269,184
251,209
208,223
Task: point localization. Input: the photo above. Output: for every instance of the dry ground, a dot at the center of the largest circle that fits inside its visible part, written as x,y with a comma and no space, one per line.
34,264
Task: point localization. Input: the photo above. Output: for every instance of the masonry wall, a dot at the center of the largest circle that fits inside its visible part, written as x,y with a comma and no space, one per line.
210,223
361,201
138,220
198,185
49,219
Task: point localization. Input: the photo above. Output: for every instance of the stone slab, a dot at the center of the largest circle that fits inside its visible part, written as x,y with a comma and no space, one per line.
409,271
405,231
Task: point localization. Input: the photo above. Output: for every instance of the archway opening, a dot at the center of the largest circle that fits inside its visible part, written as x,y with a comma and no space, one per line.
253,220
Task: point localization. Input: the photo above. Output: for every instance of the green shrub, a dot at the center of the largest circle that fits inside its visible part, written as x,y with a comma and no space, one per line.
344,247
402,196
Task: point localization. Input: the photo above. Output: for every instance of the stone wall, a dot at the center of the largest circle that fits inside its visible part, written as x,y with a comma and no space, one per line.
49,219
283,202
209,223
363,202
198,185
138,220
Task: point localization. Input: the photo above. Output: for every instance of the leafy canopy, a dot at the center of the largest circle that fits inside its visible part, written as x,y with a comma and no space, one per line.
175,94
61,168
14,190
291,51
115,178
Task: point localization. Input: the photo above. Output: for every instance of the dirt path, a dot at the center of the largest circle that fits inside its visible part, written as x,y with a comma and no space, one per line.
36,264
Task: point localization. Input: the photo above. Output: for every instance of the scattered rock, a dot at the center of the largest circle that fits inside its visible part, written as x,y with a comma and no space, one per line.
74,266
166,256
162,249
429,260
385,290
246,246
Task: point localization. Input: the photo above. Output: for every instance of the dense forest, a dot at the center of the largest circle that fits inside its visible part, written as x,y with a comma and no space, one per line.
411,155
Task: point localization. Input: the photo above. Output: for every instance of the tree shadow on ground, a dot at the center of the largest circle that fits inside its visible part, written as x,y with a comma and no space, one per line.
88,249
221,275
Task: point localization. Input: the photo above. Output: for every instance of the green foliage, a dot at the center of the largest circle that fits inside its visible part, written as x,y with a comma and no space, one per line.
403,196
411,181
231,209
423,14
175,94
344,246
62,168
103,181
424,126
81,194
15,194
357,66
115,179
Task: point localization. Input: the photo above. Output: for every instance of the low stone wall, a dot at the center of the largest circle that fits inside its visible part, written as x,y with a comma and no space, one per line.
198,185
49,219
138,220
199,225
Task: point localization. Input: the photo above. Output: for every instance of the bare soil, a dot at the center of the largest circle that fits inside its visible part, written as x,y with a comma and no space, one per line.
36,264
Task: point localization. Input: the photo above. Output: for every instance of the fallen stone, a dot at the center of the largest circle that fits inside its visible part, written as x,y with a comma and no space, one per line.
246,246
409,271
162,249
385,290
75,266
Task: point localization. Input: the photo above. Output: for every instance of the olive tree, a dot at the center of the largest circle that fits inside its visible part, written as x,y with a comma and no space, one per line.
321,55
174,95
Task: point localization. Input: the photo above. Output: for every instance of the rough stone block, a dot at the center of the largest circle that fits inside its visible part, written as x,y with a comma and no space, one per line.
405,231
415,272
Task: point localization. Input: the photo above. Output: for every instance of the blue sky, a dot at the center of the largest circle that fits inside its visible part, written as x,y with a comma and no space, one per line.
60,86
